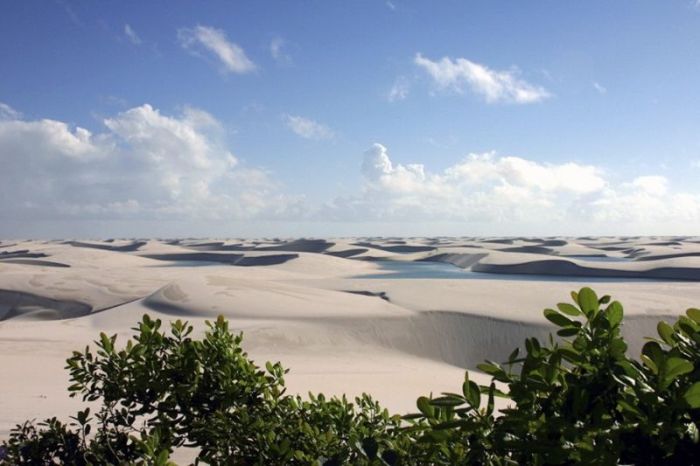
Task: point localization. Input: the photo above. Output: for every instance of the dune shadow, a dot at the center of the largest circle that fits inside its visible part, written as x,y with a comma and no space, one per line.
223,258
20,304
133,246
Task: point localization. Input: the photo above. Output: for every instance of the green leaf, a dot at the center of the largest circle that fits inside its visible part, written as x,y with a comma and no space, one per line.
674,368
451,424
618,348
514,355
471,393
688,326
557,319
106,342
694,314
665,332
447,401
570,354
653,351
692,395
614,313
568,332
569,309
423,404
489,368
649,363
587,301
163,458
629,408
490,402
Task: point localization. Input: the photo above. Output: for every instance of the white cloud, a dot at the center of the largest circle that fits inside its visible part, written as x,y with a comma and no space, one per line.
146,166
481,187
480,170
214,41
494,86
651,184
143,165
399,90
633,204
600,88
278,51
8,113
307,128
131,35
512,195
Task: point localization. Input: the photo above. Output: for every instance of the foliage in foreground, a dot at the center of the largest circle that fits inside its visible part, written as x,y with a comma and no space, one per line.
575,400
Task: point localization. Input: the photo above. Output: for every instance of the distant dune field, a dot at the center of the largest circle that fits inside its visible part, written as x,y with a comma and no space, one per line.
396,317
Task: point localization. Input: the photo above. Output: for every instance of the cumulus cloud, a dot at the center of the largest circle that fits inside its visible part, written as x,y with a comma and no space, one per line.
651,184
143,164
494,86
481,170
307,128
202,40
509,194
399,90
146,165
131,35
645,205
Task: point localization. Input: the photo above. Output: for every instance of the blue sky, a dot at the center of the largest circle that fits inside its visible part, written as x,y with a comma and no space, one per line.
324,118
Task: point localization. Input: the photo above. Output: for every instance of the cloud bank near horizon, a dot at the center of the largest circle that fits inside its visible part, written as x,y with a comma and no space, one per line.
501,190
144,165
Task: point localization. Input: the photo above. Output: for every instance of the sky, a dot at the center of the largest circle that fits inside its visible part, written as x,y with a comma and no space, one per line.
349,118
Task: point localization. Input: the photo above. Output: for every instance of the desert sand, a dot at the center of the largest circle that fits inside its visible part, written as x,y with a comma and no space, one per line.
395,317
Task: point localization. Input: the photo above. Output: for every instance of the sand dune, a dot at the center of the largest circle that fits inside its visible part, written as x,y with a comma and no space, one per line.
398,317
128,247
17,304
529,249
390,247
231,259
668,256
347,252
566,268
40,263
22,253
300,245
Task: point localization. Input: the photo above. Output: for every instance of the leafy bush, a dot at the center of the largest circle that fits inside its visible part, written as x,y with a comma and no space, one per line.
578,399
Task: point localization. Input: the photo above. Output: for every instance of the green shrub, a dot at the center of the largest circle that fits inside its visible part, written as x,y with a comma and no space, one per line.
577,399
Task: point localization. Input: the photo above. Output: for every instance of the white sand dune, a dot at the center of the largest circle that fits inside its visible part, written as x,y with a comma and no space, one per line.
397,317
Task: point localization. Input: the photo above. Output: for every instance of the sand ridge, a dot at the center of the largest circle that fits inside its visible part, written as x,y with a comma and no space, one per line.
397,317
